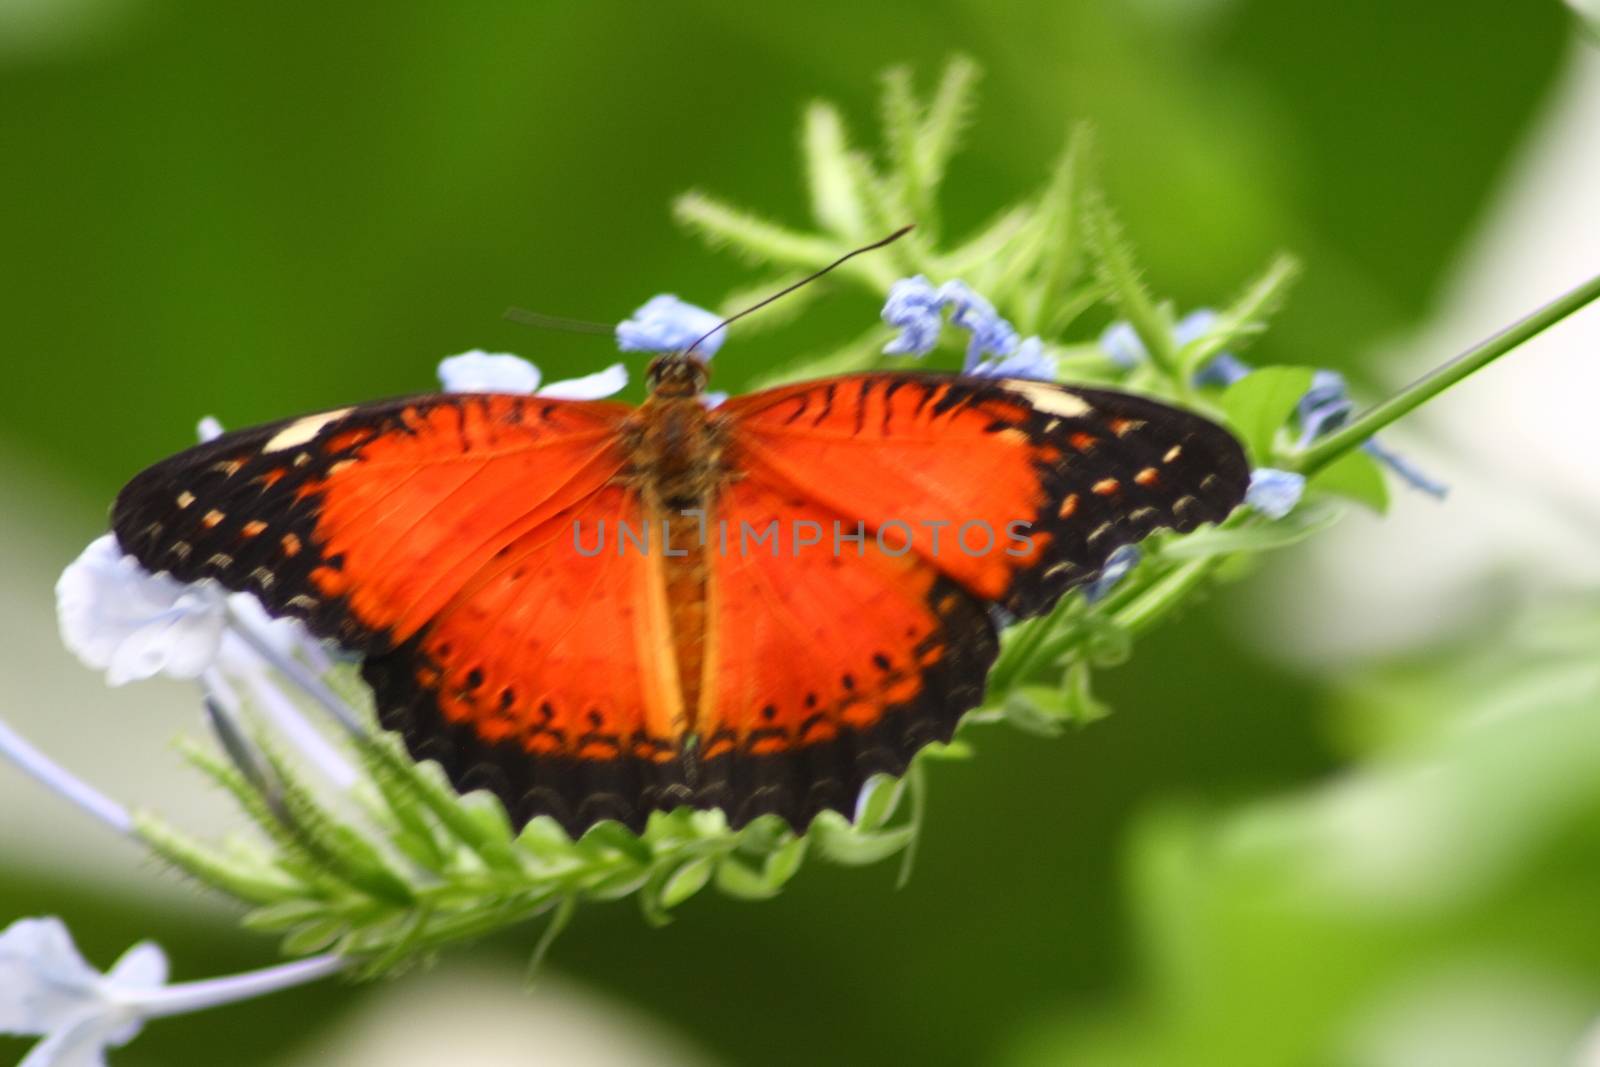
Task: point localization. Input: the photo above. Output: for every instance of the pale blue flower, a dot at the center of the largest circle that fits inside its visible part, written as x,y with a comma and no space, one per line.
914,307
48,990
596,386
1121,344
991,333
1274,493
487,372
1193,326
500,372
1413,475
119,618
1030,360
1116,568
1223,369
1327,406
666,324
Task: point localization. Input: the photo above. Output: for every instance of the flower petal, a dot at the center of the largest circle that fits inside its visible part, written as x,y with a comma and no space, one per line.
1030,360
487,372
1274,493
82,1042
991,333
1118,564
594,386
666,324
1325,406
1193,326
45,984
1121,344
914,307
1406,470
208,429
117,617
1224,369
142,967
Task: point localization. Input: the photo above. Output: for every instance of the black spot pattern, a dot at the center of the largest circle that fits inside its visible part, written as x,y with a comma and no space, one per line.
576,792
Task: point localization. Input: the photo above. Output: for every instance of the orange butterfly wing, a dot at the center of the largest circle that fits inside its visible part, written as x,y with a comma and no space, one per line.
837,660
1085,470
821,668
435,535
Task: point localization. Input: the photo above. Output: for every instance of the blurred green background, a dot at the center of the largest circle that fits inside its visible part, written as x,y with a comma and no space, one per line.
252,211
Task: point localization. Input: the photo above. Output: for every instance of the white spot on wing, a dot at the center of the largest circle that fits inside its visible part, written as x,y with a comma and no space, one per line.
300,431
1050,399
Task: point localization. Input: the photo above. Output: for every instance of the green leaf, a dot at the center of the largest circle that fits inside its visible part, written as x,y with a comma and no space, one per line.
737,879
1247,317
838,842
225,874
879,799
954,751
1060,214
1354,476
489,815
284,915
1124,282
313,937
1309,518
836,198
1082,706
687,880
610,837
720,224
783,862
1036,709
560,918
990,242
947,116
1259,405
902,129
427,783
619,884
336,847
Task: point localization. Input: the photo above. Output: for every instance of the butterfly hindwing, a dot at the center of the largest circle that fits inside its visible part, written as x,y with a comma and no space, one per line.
548,678
825,662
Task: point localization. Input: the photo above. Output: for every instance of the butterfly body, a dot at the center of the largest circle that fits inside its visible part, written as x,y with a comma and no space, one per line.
596,611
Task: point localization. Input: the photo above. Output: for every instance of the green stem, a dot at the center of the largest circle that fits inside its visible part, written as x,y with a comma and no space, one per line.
1148,608
1353,433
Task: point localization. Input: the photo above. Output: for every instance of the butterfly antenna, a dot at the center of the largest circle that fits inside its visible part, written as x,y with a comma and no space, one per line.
553,322
786,290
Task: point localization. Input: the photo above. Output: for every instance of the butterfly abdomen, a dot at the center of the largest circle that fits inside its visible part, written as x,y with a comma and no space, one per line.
675,462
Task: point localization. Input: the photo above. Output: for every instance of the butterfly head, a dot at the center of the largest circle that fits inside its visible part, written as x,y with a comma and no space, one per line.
678,374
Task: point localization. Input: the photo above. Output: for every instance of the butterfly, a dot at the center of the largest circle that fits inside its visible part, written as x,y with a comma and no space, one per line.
596,611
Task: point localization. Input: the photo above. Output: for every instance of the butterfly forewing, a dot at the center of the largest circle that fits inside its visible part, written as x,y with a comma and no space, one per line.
1015,489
